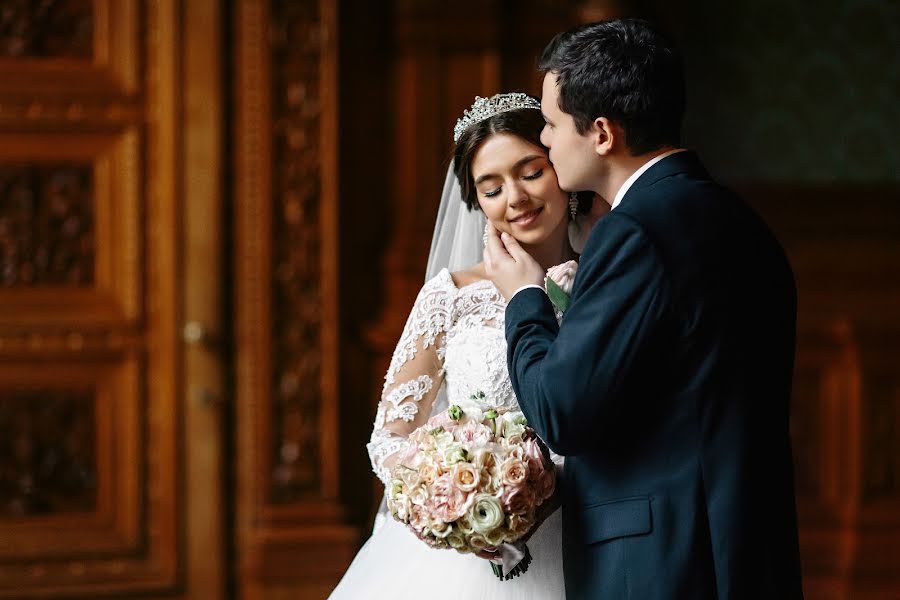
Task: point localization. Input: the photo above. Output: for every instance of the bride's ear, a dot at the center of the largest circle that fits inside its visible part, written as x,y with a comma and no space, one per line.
604,134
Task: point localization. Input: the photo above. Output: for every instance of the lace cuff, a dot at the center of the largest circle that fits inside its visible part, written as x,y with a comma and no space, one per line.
415,375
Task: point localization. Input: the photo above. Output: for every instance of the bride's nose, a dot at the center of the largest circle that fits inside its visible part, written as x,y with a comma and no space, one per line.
516,195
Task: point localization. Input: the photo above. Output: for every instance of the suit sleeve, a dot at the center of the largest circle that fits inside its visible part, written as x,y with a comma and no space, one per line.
568,378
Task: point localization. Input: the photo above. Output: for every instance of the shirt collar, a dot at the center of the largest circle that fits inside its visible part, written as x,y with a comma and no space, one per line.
634,176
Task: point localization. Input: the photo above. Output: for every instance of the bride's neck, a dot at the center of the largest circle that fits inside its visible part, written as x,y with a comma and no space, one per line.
552,251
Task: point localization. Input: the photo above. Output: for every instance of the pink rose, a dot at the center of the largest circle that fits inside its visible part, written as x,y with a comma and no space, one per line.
564,275
546,484
537,462
447,503
409,456
441,420
418,518
517,500
473,433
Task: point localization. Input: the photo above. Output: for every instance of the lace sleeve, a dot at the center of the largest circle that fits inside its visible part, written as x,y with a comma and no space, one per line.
414,376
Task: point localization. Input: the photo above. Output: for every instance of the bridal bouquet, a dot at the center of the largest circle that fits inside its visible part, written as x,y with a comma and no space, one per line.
472,482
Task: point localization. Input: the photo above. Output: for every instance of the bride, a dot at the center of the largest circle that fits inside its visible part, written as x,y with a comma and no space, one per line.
453,347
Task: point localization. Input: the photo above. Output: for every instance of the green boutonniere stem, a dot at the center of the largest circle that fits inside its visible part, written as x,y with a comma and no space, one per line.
557,296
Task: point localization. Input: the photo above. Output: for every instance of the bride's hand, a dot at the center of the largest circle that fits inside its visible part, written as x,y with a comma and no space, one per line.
507,264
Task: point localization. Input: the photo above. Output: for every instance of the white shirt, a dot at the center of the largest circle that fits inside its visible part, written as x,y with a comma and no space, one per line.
618,199
634,176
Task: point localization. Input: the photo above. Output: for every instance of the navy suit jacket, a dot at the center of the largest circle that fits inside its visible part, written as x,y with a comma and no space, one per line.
667,389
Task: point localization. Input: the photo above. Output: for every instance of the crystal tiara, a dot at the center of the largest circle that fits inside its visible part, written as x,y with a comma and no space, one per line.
485,108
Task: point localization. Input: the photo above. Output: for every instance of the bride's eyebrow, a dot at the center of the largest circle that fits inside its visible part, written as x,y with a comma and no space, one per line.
518,165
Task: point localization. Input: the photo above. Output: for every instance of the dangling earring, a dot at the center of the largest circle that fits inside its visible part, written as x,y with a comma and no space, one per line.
573,204
484,238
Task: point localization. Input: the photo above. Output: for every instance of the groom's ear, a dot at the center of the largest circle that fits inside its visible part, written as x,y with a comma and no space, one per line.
604,135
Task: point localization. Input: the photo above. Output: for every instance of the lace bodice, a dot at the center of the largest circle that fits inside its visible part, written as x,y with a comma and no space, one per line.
454,337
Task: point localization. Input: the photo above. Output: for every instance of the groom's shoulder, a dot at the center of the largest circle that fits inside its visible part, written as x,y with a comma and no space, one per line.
667,199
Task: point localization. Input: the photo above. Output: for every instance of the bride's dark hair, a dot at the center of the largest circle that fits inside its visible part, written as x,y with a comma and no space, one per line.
525,123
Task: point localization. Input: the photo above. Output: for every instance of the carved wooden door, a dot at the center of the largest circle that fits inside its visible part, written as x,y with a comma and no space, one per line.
109,435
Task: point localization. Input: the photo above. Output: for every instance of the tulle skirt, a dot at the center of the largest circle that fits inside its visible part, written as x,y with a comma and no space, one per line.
394,564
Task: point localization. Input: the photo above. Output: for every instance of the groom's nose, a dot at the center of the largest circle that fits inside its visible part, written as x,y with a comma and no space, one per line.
545,136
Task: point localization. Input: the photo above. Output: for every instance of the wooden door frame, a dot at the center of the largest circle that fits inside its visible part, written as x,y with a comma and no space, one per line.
205,358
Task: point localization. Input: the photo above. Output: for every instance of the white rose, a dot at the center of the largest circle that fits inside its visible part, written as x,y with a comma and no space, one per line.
456,540
513,425
400,506
486,514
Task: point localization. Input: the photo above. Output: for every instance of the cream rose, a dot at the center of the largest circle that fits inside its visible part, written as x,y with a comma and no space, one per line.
456,540
519,525
477,542
463,526
513,471
465,476
428,471
418,495
409,477
441,529
496,537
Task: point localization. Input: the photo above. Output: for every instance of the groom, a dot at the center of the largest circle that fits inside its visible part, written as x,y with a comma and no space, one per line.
667,385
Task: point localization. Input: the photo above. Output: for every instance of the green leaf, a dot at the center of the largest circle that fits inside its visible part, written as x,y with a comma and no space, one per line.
557,296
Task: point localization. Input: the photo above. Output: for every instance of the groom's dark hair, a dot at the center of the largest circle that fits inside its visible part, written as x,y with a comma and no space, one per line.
623,70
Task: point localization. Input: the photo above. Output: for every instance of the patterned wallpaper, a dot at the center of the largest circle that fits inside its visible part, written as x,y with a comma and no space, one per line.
793,91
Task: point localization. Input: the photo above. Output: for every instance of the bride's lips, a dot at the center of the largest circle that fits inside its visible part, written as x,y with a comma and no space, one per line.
528,219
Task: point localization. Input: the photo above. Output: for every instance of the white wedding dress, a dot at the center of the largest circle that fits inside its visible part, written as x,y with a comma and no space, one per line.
453,344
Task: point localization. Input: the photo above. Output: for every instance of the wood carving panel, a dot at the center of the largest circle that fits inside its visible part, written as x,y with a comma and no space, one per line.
47,451
46,225
71,450
50,28
297,294
291,529
70,239
82,47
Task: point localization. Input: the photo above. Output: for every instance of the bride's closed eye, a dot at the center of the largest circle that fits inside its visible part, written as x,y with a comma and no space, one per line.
531,177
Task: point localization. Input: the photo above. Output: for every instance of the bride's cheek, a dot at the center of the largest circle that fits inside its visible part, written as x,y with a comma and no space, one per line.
501,226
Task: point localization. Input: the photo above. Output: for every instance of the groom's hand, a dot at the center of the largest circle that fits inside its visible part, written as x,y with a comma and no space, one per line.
508,265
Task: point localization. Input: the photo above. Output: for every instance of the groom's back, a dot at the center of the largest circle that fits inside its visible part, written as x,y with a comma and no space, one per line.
723,360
